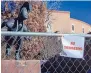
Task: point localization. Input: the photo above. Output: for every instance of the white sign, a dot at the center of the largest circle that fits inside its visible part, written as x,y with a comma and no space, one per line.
73,46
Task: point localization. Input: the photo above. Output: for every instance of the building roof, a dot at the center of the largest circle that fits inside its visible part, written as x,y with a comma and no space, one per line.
80,21
57,11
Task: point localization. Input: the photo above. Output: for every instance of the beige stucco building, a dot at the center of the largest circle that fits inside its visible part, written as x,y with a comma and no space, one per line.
60,21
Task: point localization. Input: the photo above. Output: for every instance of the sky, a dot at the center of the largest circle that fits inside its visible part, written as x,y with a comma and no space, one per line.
80,10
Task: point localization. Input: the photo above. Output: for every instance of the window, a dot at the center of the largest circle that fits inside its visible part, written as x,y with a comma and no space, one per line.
83,30
72,28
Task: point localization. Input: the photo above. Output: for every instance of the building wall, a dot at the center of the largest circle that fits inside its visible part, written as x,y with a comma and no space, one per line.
79,26
61,21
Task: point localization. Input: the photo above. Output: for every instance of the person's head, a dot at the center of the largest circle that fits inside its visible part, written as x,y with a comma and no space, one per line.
24,10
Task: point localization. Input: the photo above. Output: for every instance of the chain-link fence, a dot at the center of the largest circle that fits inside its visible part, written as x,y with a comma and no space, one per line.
47,49
44,48
59,64
31,47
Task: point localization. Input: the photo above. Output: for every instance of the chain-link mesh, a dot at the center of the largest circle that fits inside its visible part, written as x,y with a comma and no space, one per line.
33,47
59,64
47,50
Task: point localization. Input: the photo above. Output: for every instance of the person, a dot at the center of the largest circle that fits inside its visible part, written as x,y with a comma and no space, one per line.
16,25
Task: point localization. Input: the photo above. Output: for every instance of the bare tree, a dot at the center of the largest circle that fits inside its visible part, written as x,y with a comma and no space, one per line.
53,5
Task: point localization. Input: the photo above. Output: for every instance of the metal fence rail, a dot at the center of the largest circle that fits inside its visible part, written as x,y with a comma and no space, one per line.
40,34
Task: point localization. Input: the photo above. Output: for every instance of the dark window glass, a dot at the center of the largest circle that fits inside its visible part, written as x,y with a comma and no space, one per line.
72,27
83,30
